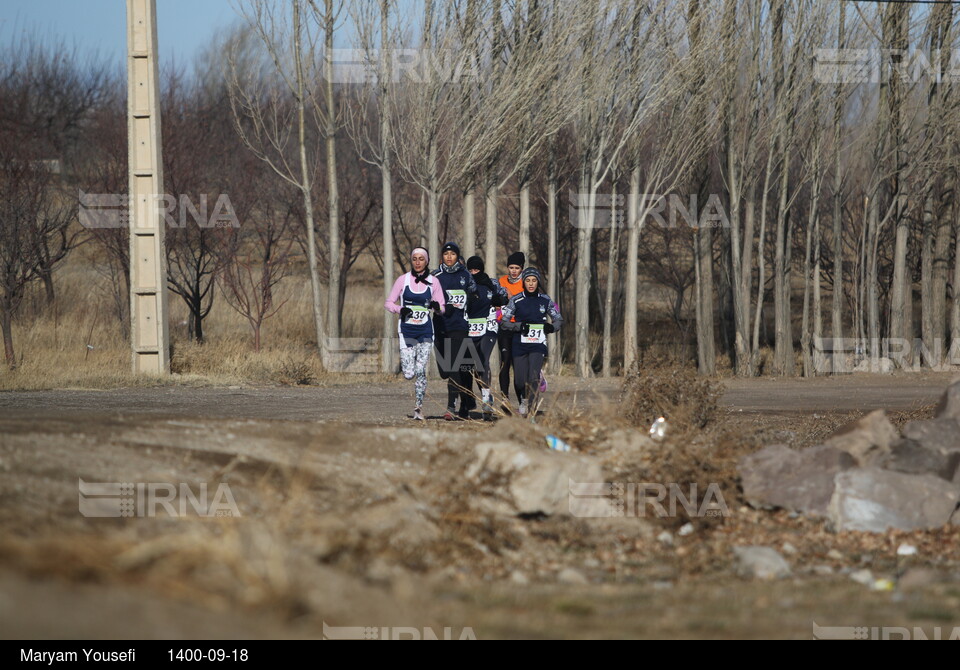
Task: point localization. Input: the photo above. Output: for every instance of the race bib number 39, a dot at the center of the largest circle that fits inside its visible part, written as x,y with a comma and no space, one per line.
418,316
457,298
536,335
478,327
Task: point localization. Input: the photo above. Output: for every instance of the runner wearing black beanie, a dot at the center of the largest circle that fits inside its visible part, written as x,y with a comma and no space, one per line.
483,308
512,284
456,356
525,318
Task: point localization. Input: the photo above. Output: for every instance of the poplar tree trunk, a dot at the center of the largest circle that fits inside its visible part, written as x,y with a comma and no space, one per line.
630,344
333,293
305,189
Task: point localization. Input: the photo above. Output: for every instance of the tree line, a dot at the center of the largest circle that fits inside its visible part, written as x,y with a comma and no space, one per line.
785,170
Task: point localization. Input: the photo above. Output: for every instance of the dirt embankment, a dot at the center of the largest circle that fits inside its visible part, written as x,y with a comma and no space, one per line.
351,515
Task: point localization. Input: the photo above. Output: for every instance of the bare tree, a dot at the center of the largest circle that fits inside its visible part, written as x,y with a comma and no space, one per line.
253,263
35,213
269,104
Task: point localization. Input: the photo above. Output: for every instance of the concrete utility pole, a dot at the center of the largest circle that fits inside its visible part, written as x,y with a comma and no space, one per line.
148,264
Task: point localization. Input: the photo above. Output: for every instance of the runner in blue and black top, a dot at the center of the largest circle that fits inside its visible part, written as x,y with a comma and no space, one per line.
414,296
483,310
455,353
526,315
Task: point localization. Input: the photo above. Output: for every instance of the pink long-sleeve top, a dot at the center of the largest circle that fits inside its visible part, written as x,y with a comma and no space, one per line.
392,303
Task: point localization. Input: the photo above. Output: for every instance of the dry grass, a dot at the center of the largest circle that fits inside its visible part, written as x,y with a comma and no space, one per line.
80,342
675,392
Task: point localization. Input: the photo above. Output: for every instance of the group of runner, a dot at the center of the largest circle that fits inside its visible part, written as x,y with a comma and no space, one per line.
463,313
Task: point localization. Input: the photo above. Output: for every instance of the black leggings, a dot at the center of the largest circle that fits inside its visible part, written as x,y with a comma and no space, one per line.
484,347
456,357
526,376
505,344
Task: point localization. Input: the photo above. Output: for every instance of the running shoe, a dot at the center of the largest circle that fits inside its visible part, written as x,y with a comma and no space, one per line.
418,415
523,408
449,416
488,416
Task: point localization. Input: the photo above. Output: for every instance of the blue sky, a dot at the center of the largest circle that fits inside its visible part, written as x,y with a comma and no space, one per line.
183,26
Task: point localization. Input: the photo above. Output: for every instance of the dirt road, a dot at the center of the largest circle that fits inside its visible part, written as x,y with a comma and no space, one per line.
389,404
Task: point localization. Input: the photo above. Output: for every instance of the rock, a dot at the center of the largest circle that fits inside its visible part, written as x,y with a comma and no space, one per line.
801,480
942,435
540,481
519,578
834,555
949,405
870,499
868,439
665,538
627,447
788,549
916,578
571,576
760,563
685,529
864,577
822,570
912,457
402,524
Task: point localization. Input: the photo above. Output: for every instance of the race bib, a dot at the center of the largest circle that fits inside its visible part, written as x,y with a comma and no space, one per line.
536,336
457,298
418,316
492,324
478,327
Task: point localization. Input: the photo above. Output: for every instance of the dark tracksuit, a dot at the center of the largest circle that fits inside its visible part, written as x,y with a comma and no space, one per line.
529,313
455,358
482,321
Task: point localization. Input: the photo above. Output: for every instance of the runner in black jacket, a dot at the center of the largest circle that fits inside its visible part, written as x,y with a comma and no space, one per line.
483,309
455,354
529,310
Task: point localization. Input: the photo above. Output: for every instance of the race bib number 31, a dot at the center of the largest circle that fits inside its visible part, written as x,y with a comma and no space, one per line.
536,335
457,298
477,327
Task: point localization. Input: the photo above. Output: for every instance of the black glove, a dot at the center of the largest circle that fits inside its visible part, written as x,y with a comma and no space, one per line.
548,328
405,312
525,328
434,305
499,300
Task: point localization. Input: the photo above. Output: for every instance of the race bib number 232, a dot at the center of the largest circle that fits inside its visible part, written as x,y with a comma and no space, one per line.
457,298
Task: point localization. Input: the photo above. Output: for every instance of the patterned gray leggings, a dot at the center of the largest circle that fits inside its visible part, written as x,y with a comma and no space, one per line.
413,361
